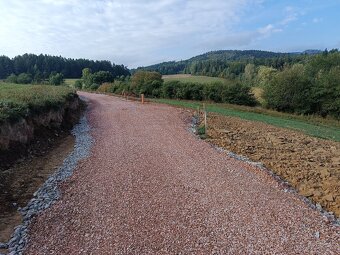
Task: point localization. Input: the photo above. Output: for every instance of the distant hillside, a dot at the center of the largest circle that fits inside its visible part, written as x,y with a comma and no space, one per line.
228,55
213,63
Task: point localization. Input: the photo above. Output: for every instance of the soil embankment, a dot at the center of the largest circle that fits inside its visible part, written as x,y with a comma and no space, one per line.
28,134
31,150
309,164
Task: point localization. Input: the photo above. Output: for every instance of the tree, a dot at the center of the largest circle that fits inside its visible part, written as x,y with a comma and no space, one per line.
249,74
24,78
12,78
290,91
238,94
56,79
265,75
101,77
87,78
146,82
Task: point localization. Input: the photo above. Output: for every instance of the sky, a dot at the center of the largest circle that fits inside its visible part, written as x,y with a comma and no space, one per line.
143,32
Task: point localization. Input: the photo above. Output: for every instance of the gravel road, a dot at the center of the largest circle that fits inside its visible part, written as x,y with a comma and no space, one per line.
151,187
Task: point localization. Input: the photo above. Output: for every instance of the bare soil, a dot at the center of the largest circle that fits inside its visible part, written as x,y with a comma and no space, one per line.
21,180
309,164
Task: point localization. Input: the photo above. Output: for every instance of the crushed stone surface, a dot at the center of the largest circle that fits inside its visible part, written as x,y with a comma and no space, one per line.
152,187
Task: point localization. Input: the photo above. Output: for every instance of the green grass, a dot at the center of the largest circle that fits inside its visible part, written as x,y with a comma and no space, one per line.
70,82
17,101
313,126
192,78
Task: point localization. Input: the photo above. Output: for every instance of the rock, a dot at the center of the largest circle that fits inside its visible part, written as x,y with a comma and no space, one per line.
317,234
325,173
3,246
318,206
329,198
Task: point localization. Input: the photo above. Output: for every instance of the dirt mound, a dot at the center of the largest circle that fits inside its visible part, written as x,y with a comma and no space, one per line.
309,164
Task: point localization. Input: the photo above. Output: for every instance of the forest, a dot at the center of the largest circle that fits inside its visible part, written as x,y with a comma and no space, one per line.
39,67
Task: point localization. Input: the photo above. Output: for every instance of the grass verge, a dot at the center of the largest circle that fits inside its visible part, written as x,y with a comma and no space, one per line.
17,101
313,126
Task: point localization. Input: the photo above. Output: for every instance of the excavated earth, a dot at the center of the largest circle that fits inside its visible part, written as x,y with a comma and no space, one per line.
150,186
311,165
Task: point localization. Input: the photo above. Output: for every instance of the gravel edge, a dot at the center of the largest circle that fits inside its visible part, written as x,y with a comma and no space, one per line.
326,215
49,192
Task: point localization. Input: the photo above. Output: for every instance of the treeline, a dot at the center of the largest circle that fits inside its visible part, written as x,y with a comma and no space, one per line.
40,67
224,63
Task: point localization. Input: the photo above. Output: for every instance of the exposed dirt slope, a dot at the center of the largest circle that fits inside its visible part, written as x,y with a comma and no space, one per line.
310,164
151,187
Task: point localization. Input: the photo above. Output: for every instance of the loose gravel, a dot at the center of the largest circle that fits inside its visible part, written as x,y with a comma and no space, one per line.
151,187
49,192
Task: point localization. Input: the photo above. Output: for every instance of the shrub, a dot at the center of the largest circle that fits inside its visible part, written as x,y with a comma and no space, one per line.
238,94
78,84
24,78
101,77
105,87
94,86
146,82
12,78
56,79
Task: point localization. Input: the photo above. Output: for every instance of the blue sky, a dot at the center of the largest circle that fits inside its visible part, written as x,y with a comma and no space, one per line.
143,32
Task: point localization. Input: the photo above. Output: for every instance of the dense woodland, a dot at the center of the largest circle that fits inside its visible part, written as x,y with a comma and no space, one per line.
226,63
39,67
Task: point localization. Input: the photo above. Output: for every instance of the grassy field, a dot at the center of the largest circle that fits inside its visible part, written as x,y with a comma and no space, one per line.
313,126
70,82
23,100
192,78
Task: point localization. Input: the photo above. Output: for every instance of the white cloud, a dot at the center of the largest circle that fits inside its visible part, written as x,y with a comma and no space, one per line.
268,30
317,20
132,32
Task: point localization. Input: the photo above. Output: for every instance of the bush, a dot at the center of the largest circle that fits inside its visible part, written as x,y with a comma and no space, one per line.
170,88
213,92
101,77
56,79
148,83
238,94
94,86
24,78
78,84
12,78
105,87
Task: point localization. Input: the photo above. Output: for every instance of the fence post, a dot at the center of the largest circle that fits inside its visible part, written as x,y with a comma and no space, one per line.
142,98
205,119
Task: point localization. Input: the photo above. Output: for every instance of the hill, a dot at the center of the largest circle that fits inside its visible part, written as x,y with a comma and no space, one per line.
221,59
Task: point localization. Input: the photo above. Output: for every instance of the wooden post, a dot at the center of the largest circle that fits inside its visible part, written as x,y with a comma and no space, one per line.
205,119
142,98
205,122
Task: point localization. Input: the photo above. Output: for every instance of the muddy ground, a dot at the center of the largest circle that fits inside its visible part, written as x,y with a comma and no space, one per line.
310,165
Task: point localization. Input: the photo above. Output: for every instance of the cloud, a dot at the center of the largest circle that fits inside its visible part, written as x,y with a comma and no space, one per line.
317,20
268,30
132,32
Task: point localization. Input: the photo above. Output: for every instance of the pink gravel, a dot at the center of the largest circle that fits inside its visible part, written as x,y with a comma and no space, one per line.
152,187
